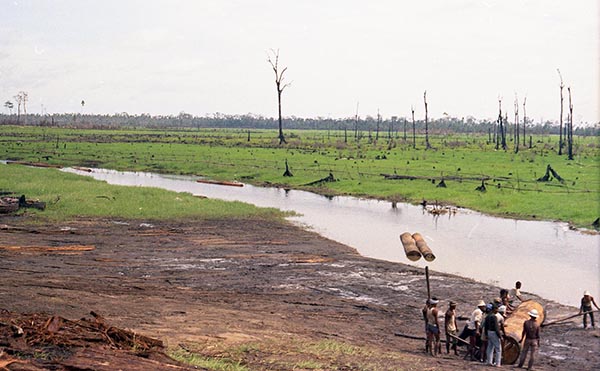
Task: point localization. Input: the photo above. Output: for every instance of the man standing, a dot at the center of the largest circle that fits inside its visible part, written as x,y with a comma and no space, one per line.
473,328
531,334
587,309
451,327
493,332
433,328
424,312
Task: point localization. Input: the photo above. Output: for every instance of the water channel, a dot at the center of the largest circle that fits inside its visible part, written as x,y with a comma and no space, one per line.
550,259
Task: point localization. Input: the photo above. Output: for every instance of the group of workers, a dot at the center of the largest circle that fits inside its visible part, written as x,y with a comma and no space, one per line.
484,330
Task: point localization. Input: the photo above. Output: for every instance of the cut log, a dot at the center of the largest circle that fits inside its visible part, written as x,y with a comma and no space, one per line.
513,326
219,182
410,246
423,247
34,164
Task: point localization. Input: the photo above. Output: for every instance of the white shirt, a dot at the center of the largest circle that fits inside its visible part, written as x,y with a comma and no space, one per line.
475,317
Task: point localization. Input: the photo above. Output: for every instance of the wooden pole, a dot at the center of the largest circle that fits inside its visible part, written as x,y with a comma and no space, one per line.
566,318
427,279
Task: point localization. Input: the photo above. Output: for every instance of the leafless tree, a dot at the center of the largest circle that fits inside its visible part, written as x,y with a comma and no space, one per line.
524,119
560,125
19,100
356,122
427,145
570,129
412,110
502,132
273,60
516,134
378,122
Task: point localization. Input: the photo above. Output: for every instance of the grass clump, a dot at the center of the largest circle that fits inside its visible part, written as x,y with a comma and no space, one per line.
211,363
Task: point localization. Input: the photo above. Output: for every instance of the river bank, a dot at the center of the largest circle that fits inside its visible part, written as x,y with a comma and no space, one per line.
266,294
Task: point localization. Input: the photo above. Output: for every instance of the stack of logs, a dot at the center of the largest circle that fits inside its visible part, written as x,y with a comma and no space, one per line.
415,247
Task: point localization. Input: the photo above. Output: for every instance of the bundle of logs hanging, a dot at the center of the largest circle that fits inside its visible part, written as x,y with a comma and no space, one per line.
415,247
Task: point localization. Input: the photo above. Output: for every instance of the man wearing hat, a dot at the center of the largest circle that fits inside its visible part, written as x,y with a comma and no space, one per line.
433,328
473,327
451,327
531,334
587,309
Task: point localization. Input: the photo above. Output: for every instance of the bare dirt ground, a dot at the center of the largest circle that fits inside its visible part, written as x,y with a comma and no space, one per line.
267,295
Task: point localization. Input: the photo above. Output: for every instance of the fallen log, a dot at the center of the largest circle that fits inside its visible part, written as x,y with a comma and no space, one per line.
513,327
34,164
423,247
410,246
220,182
328,178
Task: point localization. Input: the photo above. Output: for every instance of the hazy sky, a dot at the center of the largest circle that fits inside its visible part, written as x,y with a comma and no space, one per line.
205,56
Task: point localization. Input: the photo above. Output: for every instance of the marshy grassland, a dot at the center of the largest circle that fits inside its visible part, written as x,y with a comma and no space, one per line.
462,161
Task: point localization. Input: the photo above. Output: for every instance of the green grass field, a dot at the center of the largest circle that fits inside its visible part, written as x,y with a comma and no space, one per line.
462,161
69,195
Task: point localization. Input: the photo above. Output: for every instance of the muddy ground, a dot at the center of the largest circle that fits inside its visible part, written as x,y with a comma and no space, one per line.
265,294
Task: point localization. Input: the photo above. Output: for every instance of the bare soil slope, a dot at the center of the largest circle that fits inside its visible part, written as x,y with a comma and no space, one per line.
268,295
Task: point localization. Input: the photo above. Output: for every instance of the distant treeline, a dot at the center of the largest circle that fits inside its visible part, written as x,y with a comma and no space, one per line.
394,125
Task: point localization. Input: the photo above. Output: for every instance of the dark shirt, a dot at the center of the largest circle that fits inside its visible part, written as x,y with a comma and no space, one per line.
491,322
531,329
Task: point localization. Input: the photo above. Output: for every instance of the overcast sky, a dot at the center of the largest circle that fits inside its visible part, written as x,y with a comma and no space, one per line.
205,56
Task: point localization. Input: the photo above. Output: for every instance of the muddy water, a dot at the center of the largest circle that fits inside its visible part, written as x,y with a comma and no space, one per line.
550,259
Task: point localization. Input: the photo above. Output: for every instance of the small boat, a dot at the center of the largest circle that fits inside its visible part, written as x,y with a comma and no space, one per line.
220,182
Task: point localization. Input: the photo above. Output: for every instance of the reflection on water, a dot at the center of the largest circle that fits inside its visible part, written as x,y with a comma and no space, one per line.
549,258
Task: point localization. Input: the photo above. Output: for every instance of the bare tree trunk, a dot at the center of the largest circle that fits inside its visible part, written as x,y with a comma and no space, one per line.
356,123
516,135
405,129
281,137
427,145
378,121
570,130
524,120
280,88
412,109
560,126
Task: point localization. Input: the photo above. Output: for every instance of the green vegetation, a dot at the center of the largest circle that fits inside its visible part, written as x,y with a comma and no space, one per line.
463,161
69,195
290,354
211,363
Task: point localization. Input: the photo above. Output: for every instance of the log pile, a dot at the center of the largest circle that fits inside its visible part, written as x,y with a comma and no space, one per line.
90,344
415,247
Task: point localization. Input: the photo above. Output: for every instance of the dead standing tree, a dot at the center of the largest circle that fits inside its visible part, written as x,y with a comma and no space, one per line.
517,133
280,87
502,132
570,128
560,125
427,145
524,120
412,110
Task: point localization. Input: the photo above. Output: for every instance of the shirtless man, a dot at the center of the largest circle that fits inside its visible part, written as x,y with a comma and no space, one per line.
433,328
451,327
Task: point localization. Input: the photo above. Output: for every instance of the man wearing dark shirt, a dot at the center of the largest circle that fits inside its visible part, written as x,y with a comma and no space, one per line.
531,334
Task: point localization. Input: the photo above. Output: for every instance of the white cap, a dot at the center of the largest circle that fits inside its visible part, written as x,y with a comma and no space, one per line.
586,293
533,313
502,309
